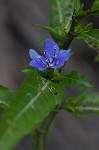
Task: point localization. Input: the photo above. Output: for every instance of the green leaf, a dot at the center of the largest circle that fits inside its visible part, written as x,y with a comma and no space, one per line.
33,102
27,69
81,14
76,5
92,98
95,7
91,37
76,100
73,102
58,9
83,103
79,29
52,31
74,78
5,96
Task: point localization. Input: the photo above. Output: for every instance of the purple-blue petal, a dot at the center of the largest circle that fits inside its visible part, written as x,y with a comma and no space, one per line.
37,65
38,61
63,55
50,48
53,58
33,54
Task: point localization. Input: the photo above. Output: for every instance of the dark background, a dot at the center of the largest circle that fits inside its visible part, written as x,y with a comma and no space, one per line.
17,36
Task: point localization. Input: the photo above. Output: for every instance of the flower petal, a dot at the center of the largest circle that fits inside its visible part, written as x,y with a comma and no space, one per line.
50,48
33,54
38,61
37,65
62,57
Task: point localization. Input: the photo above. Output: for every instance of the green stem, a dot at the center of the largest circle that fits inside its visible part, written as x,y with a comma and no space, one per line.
71,34
41,134
87,108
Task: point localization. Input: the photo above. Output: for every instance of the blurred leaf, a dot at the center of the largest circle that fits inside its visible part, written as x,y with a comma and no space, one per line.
83,103
35,99
76,100
81,14
58,9
95,7
74,78
5,96
76,5
27,69
79,29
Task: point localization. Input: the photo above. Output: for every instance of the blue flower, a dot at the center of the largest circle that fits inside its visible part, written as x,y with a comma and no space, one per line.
53,57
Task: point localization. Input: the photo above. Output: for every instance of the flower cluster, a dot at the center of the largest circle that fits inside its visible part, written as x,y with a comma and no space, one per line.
53,57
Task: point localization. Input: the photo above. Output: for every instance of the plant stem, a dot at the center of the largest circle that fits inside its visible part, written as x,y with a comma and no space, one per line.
75,19
70,35
41,133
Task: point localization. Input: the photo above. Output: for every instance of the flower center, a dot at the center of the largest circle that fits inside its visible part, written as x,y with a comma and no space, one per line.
50,60
51,64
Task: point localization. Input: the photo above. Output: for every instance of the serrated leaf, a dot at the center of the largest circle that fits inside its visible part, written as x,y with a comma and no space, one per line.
91,37
32,103
5,96
74,78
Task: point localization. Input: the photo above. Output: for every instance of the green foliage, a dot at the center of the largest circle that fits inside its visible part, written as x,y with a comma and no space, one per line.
83,103
86,32
35,99
79,29
42,91
81,14
27,69
95,7
52,31
74,78
5,96
90,36
60,12
77,5
58,9
60,19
